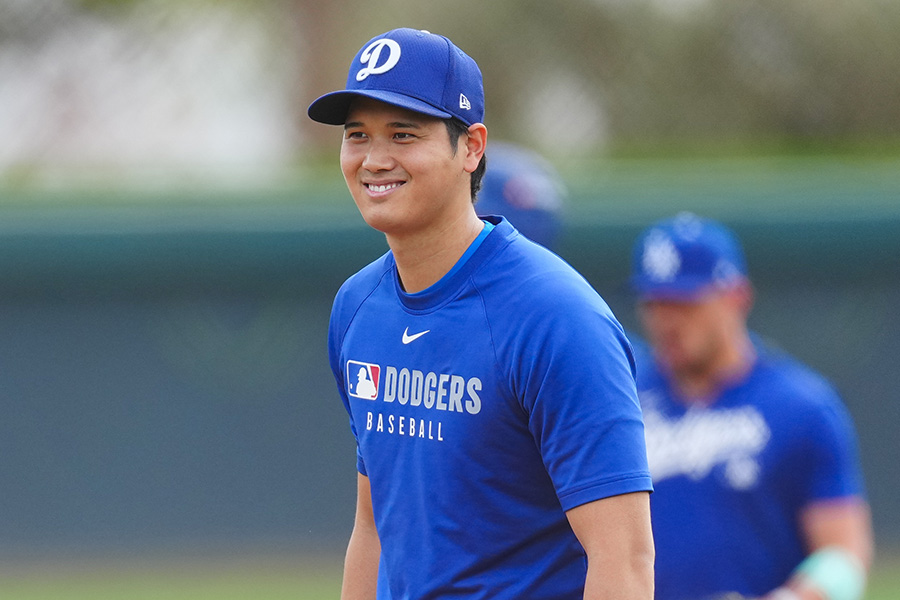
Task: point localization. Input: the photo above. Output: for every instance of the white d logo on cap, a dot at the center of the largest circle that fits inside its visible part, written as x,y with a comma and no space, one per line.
372,53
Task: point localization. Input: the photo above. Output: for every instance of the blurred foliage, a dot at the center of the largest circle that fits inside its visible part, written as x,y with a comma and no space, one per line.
788,72
582,77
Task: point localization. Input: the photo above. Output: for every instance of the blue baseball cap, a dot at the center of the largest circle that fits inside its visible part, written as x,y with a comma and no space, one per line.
684,257
412,69
523,186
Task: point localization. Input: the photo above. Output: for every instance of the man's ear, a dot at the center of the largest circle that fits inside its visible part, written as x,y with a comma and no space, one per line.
742,295
476,143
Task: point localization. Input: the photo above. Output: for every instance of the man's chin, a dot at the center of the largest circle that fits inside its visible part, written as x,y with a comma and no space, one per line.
676,362
383,223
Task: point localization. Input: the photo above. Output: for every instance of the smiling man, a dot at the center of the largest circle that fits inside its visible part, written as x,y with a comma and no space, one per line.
490,390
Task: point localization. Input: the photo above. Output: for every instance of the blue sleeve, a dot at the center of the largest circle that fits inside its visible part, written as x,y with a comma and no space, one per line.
833,452
336,329
577,385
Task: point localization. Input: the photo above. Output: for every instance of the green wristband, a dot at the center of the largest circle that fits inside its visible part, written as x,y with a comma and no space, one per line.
834,572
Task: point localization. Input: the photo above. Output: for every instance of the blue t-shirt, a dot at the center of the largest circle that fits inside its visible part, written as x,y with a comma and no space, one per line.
483,409
732,477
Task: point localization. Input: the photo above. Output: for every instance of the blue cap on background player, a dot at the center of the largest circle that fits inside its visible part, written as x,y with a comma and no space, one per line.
525,188
683,257
412,69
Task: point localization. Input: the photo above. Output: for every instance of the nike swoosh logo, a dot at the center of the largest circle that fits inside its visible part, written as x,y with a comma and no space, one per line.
411,338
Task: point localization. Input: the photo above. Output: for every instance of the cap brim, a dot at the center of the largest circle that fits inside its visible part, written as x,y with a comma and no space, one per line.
332,108
684,290
687,289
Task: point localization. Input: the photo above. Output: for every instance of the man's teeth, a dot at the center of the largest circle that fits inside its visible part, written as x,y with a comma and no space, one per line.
385,187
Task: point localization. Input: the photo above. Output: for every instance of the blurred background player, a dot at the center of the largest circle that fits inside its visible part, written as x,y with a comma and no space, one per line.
524,187
753,455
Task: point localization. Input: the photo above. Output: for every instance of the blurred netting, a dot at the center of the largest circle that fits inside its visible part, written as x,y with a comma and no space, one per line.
199,84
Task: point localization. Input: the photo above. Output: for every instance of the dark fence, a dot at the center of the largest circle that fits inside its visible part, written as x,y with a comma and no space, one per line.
164,383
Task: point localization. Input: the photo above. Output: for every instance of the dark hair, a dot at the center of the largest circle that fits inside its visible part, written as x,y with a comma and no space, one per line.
455,129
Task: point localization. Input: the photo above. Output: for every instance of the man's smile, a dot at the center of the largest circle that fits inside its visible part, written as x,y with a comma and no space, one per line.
380,188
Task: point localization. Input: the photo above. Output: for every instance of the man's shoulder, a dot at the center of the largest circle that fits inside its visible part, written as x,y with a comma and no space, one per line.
361,284
787,379
526,287
526,270
800,401
370,274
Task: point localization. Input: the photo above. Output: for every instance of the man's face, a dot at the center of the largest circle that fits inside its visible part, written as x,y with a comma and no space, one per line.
689,337
401,170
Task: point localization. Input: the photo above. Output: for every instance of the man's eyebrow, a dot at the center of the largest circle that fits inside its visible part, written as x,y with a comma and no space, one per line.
394,125
404,125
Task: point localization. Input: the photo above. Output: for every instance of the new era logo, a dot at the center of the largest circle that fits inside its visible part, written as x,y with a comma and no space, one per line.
464,102
362,379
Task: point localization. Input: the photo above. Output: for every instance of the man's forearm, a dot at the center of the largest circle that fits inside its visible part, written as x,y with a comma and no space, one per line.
616,535
620,580
361,566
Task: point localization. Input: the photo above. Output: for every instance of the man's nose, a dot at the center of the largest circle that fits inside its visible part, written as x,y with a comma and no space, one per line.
378,157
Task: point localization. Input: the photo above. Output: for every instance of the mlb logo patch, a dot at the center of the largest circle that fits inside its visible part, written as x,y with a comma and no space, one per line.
362,379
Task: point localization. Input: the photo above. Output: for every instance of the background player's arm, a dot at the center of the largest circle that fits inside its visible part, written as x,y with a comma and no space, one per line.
846,523
842,524
364,550
615,533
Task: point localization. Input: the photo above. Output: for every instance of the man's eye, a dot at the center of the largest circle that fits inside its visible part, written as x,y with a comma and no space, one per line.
355,135
402,135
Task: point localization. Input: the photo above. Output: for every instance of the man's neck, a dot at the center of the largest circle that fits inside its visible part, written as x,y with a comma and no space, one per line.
424,257
703,386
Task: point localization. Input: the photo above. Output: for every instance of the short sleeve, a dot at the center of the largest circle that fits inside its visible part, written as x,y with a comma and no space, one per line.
833,452
335,335
579,393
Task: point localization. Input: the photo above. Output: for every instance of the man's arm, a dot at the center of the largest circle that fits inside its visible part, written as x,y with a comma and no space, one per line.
616,536
364,550
840,533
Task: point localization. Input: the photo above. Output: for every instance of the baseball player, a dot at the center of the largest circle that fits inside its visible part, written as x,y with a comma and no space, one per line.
524,187
753,456
500,446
